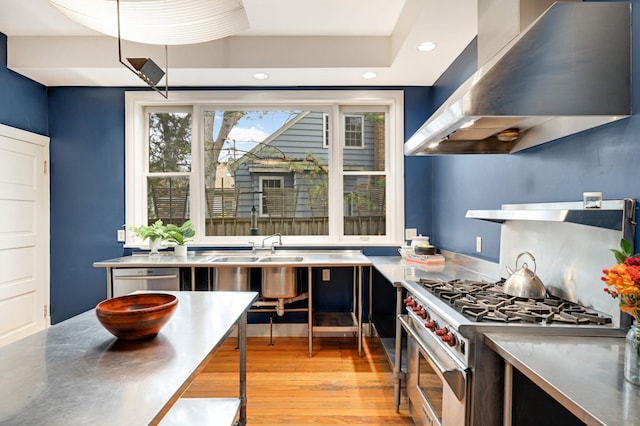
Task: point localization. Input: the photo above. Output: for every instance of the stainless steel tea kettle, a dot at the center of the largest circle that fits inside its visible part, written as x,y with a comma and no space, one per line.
524,282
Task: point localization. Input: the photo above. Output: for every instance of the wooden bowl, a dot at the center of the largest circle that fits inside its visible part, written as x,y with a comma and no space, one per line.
136,316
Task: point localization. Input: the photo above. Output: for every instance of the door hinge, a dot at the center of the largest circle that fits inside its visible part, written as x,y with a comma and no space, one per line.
46,311
45,167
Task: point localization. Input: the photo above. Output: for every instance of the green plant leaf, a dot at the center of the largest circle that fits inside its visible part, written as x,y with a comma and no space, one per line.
626,247
179,235
620,256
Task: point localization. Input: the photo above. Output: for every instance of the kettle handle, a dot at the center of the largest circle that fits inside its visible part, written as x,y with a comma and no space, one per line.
532,258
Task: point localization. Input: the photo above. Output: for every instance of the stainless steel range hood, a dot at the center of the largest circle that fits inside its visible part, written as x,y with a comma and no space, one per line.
569,71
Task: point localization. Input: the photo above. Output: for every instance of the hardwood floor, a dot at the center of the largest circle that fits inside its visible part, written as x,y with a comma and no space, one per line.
285,386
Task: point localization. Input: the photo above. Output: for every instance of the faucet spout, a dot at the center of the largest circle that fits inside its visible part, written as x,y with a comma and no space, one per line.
271,236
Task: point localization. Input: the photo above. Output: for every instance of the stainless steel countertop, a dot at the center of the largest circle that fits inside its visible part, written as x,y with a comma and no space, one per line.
207,259
397,270
584,374
77,373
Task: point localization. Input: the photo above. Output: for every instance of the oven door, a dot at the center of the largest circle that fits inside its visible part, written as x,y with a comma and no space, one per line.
437,384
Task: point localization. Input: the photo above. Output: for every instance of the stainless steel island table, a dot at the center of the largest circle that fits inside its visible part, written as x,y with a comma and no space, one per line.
77,373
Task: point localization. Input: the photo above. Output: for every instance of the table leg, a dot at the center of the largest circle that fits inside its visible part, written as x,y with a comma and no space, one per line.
359,286
242,338
398,375
310,313
508,389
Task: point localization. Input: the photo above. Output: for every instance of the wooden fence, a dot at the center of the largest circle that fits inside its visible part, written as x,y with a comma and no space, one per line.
354,225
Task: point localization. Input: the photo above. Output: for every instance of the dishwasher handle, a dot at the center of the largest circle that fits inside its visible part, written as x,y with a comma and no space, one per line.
145,277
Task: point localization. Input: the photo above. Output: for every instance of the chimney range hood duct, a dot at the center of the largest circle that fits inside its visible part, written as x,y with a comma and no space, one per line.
569,71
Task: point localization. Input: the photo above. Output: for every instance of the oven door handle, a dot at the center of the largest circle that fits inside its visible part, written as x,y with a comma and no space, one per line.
455,377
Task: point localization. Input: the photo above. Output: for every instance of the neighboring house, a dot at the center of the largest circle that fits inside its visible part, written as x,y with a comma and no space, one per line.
283,176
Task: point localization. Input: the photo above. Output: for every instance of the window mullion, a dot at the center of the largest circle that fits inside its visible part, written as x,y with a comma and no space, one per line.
335,174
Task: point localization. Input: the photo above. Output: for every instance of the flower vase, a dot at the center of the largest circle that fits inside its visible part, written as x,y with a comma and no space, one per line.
180,250
632,354
154,245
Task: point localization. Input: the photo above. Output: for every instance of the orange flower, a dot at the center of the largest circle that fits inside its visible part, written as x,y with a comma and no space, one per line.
625,280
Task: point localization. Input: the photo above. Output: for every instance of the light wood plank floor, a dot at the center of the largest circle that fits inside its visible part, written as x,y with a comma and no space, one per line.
285,386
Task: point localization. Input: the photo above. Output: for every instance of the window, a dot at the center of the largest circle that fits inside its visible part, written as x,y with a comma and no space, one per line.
353,132
216,157
168,165
270,189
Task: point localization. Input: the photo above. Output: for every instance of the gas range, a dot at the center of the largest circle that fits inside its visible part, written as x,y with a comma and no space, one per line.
446,322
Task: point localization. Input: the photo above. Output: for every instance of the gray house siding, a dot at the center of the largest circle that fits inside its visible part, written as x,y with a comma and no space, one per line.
302,137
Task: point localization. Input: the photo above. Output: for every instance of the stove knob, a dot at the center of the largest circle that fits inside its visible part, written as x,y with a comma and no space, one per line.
417,308
409,301
431,324
441,331
422,313
450,339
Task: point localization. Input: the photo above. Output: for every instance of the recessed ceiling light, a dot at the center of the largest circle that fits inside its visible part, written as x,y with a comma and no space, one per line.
369,75
426,46
261,76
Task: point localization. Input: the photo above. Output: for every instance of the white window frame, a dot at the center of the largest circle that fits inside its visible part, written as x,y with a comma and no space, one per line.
336,102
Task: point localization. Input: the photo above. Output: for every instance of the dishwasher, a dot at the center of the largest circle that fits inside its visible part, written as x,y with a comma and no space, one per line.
128,280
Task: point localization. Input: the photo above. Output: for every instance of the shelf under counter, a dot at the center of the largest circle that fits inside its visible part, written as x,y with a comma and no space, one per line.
335,322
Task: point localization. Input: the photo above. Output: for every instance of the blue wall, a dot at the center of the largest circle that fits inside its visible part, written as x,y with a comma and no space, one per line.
602,159
23,102
87,193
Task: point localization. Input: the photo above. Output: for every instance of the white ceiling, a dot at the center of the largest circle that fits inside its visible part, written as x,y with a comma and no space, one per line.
296,42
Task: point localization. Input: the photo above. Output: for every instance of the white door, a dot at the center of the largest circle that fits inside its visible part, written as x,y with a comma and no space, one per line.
24,233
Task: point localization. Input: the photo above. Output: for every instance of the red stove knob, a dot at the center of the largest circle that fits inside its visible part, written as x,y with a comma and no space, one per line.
441,331
409,301
417,308
450,339
422,313
431,325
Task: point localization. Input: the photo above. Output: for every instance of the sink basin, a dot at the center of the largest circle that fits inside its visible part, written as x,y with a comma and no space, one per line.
234,259
281,259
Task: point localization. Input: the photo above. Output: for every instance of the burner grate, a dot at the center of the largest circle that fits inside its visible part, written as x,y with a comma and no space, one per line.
485,301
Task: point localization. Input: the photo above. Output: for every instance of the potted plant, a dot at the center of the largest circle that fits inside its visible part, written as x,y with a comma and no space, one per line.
155,233
179,235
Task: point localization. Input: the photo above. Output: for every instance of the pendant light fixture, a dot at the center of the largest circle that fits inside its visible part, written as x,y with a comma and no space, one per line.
158,22
145,68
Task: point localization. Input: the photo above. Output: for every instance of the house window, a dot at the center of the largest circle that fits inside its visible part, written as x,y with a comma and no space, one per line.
353,131
270,198
216,157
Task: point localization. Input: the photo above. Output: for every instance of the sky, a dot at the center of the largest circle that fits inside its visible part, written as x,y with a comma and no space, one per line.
255,126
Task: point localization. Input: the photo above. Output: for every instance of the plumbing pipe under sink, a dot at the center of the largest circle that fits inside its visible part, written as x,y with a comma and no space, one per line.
279,303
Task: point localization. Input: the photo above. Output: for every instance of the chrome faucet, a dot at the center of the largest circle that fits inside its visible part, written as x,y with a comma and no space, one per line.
271,236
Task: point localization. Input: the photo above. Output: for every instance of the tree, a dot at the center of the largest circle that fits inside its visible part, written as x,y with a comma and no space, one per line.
213,148
169,142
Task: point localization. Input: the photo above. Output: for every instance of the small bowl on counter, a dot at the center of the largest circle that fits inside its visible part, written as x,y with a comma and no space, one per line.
136,316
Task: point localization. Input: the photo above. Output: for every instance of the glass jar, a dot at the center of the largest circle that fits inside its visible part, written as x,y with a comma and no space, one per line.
632,354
